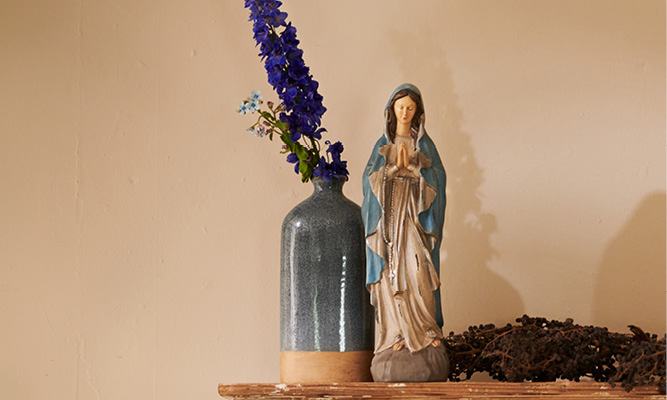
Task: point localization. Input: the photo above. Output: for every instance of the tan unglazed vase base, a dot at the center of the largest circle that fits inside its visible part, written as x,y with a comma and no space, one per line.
325,366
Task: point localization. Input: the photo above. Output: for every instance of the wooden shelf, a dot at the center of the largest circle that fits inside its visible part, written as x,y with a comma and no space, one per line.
438,390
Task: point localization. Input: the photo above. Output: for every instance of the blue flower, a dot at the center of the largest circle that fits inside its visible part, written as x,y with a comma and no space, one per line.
243,108
255,95
253,105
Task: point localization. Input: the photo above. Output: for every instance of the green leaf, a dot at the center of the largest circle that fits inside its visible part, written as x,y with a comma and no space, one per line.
281,125
306,171
301,152
285,137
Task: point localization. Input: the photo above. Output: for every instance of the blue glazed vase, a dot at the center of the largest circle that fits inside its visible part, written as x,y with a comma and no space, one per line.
325,314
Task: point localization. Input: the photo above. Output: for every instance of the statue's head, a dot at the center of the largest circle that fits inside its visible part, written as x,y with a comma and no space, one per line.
405,107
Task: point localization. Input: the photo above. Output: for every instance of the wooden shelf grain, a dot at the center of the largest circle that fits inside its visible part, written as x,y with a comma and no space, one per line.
438,390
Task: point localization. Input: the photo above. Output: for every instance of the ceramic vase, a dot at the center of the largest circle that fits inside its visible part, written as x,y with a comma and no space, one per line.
326,320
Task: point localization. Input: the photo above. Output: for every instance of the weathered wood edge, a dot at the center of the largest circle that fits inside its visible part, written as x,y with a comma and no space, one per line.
439,390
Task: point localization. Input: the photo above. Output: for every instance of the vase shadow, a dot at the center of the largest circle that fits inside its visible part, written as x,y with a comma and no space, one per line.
471,292
630,286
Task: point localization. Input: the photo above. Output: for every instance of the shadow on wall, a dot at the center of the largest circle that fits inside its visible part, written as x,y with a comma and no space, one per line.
472,293
630,287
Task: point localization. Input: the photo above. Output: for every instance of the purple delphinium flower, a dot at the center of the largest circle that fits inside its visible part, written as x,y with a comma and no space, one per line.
293,159
337,168
323,170
301,108
286,70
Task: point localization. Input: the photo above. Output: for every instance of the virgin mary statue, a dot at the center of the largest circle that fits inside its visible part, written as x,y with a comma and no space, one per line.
403,212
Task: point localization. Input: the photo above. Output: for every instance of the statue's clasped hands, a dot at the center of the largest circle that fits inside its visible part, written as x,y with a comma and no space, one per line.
403,158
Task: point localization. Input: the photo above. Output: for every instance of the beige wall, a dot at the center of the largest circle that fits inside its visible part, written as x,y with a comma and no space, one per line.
140,223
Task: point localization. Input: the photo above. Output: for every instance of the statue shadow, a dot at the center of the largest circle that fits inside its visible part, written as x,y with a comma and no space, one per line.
471,292
630,286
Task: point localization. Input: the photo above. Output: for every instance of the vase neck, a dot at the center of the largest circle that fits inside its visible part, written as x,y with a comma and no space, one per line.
320,185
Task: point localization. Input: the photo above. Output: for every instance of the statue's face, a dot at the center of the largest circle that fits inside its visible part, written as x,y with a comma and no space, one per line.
405,109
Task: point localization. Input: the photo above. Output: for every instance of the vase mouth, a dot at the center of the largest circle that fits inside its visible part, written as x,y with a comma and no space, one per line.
320,184
319,178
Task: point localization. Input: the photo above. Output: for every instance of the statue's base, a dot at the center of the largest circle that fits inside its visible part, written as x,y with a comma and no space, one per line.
428,365
325,366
